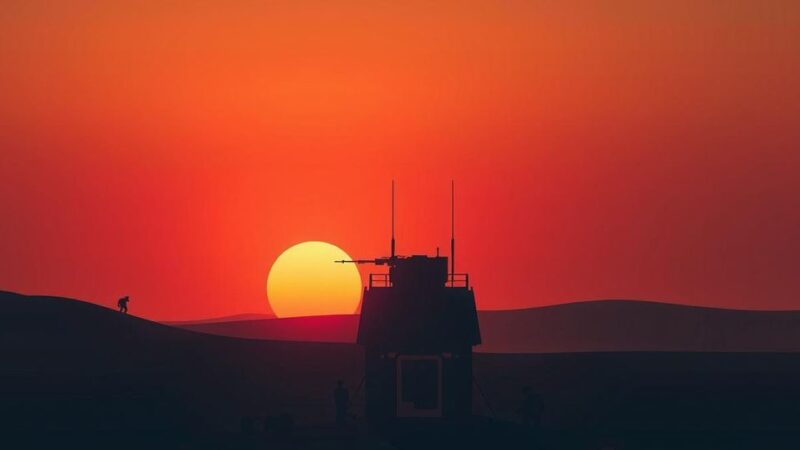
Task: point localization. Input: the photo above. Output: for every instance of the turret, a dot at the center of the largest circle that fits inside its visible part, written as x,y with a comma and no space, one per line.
418,326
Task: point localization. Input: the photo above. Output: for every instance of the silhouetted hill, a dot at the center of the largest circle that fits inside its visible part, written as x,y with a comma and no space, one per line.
113,371
77,369
607,325
339,328
233,318
627,325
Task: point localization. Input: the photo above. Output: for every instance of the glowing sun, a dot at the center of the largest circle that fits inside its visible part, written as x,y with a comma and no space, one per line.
305,281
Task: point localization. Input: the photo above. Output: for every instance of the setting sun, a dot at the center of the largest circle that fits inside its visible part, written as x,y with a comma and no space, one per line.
305,281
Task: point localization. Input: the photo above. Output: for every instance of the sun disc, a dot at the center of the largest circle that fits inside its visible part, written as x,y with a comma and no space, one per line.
305,281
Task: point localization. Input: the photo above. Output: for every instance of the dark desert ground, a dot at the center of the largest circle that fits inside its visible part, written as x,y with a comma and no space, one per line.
71,370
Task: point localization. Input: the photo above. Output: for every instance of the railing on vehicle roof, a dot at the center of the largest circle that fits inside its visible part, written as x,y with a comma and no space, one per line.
454,280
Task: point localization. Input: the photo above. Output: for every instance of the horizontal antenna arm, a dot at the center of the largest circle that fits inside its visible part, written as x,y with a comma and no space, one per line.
356,261
376,261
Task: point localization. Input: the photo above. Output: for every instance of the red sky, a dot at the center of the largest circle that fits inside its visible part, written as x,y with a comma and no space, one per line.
606,149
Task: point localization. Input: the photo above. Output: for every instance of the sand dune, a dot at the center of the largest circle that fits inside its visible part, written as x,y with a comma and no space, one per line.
592,326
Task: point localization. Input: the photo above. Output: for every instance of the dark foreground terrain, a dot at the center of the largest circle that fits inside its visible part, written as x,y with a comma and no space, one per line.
76,375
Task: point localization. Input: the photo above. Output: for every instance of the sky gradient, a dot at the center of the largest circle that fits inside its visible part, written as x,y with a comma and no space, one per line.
600,150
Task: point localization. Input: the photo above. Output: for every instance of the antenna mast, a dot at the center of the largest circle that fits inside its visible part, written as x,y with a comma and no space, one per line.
452,230
392,219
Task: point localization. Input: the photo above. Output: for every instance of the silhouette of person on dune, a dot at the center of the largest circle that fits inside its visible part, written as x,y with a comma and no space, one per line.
341,397
123,304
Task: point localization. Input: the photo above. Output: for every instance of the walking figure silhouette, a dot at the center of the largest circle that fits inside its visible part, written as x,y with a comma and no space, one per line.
123,304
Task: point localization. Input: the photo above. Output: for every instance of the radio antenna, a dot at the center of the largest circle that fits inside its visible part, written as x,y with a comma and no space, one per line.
452,230
392,219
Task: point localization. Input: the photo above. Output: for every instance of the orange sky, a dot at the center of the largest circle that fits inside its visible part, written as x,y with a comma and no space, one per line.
606,149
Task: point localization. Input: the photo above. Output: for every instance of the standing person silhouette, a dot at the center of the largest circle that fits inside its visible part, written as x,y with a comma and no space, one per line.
341,397
531,408
123,304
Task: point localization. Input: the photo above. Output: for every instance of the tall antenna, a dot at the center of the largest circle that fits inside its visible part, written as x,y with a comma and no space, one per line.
392,219
452,230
